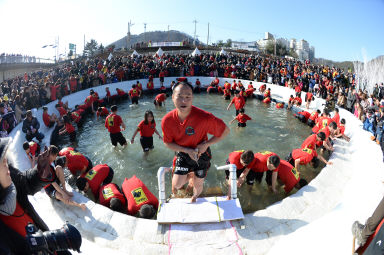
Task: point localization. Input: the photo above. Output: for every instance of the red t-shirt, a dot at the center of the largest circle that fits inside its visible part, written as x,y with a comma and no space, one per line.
150,85
310,142
289,175
326,131
239,102
76,117
113,122
108,94
234,158
193,130
66,151
309,96
134,92
242,118
259,164
250,92
336,119
314,116
46,119
147,130
342,129
104,112
305,114
62,111
321,123
33,148
69,128
120,92
137,195
227,86
161,97
109,191
298,100
76,161
96,176
305,155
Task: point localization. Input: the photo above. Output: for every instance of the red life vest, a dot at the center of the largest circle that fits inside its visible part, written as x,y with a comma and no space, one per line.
137,195
109,191
18,220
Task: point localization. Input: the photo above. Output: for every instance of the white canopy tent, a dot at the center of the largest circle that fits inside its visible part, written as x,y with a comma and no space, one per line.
223,52
134,54
196,52
159,52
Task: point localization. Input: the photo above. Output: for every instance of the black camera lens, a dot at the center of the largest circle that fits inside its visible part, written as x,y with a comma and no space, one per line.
68,237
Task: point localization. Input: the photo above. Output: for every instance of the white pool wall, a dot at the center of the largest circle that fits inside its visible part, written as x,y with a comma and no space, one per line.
315,220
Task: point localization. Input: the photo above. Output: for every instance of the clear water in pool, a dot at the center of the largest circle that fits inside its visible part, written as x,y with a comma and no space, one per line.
270,129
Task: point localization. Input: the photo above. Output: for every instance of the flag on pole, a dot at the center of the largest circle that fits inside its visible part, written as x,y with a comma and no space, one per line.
44,46
110,56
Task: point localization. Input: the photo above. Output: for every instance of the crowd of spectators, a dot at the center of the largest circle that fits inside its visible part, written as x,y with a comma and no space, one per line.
335,85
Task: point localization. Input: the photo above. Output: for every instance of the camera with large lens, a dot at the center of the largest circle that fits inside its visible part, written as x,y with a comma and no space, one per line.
48,242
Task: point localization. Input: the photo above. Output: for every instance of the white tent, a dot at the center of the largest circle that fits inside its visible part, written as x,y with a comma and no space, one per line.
159,52
196,52
134,53
223,52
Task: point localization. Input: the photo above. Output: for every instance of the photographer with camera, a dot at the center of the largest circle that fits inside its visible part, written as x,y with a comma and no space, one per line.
19,222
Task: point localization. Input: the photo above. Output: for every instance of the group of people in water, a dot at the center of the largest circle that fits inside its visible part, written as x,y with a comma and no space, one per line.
185,131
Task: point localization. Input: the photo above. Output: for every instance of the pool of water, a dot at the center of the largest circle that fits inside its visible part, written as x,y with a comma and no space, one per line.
271,129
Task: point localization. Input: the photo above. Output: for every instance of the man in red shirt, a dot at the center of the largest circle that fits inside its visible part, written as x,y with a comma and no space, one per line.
161,77
336,117
239,102
94,178
134,94
308,98
243,160
185,131
74,161
265,162
303,116
303,157
110,195
290,177
160,98
102,111
49,120
312,140
113,123
313,118
322,121
32,149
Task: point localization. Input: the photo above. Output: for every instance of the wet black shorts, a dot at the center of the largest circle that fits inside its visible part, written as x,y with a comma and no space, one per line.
157,103
239,124
50,191
227,97
72,136
146,143
161,79
135,100
184,164
51,124
250,179
311,123
117,138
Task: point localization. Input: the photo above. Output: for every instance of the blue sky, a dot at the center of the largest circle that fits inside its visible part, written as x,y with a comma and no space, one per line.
339,30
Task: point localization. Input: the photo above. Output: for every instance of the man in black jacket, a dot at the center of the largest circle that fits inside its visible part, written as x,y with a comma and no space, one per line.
31,127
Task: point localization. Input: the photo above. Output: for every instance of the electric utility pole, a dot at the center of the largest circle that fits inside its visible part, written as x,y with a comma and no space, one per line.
130,24
208,35
194,37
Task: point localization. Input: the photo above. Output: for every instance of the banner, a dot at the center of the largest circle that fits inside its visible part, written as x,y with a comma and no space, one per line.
162,44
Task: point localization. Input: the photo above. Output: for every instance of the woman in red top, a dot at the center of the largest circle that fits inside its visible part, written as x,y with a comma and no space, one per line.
147,128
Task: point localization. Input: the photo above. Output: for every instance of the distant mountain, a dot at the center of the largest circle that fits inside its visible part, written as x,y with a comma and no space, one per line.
345,65
156,36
